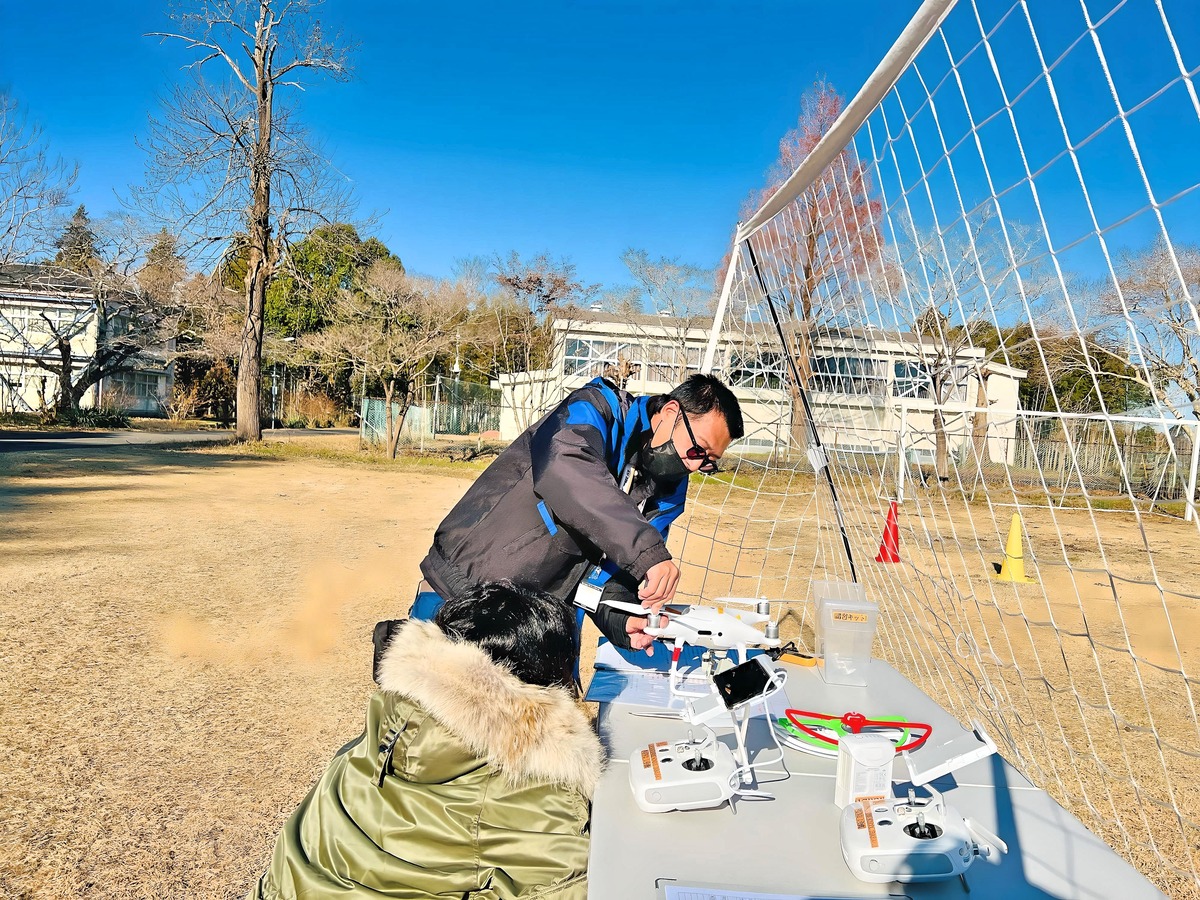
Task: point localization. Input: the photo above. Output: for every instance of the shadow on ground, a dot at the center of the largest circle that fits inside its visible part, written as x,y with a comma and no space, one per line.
29,477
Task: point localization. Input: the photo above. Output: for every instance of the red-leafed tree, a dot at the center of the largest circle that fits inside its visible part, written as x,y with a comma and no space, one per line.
822,247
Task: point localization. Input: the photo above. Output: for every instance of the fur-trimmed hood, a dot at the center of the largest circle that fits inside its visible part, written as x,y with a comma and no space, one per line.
525,731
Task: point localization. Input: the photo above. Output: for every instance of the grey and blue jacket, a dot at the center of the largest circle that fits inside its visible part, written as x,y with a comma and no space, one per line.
550,507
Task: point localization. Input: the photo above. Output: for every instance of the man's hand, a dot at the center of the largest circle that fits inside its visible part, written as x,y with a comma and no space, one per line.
659,586
635,627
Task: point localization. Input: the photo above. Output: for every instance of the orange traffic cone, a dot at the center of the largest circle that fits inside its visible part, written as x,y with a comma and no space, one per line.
1013,567
889,547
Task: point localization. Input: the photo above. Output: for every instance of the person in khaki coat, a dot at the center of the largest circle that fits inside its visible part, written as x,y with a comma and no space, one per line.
474,775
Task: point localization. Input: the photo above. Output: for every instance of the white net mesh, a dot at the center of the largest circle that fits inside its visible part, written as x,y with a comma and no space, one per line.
988,292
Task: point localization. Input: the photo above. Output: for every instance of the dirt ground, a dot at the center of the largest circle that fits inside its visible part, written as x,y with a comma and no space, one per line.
185,637
1085,676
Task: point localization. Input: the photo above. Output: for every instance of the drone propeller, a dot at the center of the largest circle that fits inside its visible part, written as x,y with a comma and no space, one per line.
738,601
703,626
638,610
635,609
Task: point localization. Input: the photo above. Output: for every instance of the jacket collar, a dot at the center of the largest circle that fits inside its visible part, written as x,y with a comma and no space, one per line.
529,733
638,417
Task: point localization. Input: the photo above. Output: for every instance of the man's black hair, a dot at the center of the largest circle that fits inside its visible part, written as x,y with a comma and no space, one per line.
530,632
702,394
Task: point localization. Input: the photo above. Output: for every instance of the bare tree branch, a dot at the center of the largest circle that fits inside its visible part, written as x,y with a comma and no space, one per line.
229,164
33,187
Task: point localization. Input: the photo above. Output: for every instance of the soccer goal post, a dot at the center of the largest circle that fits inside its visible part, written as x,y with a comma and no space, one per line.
972,304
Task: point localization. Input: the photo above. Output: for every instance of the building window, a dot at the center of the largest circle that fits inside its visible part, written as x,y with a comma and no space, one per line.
589,358
757,369
848,375
141,389
912,380
673,364
915,380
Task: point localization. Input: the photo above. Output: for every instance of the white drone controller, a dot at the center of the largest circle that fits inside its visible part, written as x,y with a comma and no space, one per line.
689,774
702,773
911,840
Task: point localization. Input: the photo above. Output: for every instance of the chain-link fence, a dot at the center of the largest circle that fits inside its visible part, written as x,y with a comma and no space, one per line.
444,414
1064,457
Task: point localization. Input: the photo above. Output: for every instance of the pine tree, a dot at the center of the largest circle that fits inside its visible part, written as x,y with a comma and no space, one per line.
77,244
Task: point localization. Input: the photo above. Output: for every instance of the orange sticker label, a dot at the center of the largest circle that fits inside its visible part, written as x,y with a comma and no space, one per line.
849,617
652,752
865,806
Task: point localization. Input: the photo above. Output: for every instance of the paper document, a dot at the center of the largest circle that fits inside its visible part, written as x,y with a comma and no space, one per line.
614,659
692,892
651,689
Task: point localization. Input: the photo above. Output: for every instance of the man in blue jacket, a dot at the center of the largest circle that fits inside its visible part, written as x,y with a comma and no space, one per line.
551,506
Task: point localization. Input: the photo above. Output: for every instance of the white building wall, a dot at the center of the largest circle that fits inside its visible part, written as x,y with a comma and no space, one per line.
25,337
853,422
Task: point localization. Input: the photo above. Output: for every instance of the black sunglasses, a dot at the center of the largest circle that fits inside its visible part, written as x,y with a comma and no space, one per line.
709,466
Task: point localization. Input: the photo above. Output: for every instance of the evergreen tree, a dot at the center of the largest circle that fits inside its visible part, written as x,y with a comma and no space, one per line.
302,297
76,246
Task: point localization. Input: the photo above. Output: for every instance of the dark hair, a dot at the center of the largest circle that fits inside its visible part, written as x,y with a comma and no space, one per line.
702,394
530,632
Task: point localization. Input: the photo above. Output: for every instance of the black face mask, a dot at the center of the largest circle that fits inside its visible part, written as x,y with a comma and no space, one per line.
663,463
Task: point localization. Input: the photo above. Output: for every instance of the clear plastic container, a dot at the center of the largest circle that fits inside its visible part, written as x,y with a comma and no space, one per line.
847,629
832,590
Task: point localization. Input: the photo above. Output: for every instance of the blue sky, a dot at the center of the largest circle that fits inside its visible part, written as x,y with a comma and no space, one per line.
579,127
586,127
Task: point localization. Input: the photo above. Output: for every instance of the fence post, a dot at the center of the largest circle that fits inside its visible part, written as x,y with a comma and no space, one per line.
424,414
437,396
901,464
1190,511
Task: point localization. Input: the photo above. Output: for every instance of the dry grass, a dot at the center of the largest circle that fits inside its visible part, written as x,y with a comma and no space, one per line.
1081,678
185,640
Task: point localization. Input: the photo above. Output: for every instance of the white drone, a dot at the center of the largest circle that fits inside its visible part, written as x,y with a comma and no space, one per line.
711,627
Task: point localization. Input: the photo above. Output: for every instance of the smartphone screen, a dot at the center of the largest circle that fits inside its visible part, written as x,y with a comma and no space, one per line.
743,682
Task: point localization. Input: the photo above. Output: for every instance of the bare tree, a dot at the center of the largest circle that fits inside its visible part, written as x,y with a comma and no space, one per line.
33,186
831,245
393,327
228,158
511,328
542,283
680,298
212,319
127,284
953,291
1151,321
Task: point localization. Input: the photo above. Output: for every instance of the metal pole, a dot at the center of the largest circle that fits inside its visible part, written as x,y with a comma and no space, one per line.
901,463
437,395
1190,512
714,336
364,390
816,451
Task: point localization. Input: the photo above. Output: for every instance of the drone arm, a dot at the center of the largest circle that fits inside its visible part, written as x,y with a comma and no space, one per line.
985,837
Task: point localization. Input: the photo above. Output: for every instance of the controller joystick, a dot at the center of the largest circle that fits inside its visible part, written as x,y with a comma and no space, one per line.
698,763
911,840
922,830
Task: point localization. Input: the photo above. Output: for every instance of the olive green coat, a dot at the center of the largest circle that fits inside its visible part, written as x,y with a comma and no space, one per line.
484,793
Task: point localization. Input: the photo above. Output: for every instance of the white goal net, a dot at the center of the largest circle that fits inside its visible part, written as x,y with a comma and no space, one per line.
984,276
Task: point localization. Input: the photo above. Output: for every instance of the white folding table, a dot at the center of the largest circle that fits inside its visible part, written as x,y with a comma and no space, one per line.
790,845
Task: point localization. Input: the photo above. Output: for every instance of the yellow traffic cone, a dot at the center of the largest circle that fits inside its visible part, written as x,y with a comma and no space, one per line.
1013,567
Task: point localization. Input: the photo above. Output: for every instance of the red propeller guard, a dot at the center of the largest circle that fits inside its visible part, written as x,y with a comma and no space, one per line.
855,722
